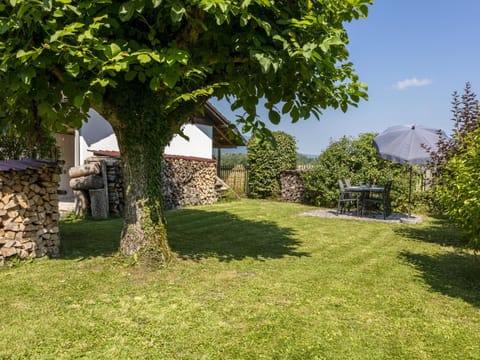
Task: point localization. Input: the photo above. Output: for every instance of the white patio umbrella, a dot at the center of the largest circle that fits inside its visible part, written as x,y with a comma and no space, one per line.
405,144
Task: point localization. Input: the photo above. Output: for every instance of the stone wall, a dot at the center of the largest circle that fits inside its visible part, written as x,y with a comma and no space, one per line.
293,188
28,209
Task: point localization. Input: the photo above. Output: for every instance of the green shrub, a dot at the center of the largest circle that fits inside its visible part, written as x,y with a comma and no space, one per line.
14,146
358,160
460,194
266,160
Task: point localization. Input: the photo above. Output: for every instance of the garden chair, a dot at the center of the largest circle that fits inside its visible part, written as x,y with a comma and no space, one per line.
381,199
345,198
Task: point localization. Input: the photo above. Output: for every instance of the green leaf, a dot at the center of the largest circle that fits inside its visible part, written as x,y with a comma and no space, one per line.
129,76
328,42
274,117
126,11
177,12
20,53
78,101
73,69
144,58
287,107
170,79
112,50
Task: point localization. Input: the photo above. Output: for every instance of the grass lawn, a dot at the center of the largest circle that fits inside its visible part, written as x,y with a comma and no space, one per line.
253,280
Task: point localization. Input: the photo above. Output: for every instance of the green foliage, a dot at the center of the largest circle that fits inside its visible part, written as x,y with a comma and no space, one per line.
357,160
303,159
290,52
460,193
232,159
148,65
266,160
457,166
13,146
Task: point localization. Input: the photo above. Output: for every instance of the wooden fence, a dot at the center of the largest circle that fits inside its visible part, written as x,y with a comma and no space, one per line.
236,177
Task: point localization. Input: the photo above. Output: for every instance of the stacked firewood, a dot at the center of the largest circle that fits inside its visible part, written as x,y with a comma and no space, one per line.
114,182
188,181
293,188
89,183
29,212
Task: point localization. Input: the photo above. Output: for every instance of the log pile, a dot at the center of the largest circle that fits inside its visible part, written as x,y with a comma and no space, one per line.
114,177
29,211
188,181
293,188
89,183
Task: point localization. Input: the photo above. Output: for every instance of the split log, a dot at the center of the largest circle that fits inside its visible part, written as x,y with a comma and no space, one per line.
84,170
86,182
99,203
81,202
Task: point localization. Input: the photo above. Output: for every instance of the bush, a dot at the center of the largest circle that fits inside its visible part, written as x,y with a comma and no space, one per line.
13,146
358,160
460,193
266,160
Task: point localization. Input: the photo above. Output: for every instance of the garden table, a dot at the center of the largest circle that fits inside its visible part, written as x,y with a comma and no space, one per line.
365,191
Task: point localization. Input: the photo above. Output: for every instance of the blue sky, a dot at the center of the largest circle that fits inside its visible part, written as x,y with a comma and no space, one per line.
412,54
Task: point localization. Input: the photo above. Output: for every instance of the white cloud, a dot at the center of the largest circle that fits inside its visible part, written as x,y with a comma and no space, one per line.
414,82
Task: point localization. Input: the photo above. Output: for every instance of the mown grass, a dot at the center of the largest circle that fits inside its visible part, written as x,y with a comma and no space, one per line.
252,280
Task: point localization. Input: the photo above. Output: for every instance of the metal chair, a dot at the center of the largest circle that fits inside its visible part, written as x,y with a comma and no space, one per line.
345,198
382,200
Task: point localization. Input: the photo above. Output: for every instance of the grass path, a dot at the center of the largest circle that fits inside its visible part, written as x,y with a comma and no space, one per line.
253,280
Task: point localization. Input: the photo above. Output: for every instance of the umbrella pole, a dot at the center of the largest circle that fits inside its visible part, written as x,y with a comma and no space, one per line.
410,193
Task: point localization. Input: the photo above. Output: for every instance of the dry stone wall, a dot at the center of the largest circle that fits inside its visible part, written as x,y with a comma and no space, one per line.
28,209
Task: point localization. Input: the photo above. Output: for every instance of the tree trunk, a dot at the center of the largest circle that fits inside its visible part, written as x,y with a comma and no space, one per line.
142,132
143,127
144,231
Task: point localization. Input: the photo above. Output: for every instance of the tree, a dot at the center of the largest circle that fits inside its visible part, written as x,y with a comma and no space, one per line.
356,159
457,167
232,159
266,160
147,65
466,112
459,192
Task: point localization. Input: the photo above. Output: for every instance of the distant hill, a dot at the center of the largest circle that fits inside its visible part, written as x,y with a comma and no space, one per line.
235,158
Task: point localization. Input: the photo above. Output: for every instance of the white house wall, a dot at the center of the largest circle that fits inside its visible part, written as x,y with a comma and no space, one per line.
198,145
97,134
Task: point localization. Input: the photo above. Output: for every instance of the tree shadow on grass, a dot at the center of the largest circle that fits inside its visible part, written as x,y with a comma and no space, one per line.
439,231
81,239
196,234
453,274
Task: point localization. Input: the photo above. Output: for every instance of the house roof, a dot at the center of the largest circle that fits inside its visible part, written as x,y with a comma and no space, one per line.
224,135
24,164
116,154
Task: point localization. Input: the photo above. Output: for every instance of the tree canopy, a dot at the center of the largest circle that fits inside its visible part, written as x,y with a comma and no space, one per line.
147,65
290,53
